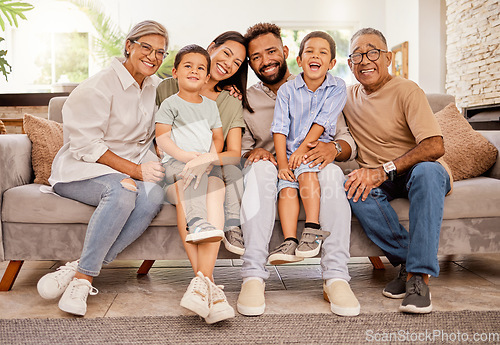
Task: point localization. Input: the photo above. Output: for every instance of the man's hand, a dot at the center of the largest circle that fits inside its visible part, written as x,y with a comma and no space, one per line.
150,171
233,91
259,154
297,158
320,153
286,174
360,182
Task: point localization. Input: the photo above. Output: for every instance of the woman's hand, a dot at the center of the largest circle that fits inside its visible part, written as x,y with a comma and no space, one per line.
286,174
257,154
196,168
150,172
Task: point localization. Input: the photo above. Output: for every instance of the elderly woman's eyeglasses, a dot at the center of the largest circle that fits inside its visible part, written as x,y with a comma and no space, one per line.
146,49
371,55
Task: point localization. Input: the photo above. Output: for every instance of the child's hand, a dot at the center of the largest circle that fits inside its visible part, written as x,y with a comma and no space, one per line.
296,158
286,174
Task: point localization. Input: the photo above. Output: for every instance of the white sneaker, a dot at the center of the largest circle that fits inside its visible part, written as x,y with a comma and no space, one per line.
52,285
74,299
196,296
219,307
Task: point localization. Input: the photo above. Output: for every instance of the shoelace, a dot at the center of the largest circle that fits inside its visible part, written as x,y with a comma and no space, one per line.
402,273
417,286
236,235
216,292
82,290
199,286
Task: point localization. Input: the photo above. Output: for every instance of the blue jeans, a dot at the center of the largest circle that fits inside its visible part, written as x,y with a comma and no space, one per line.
425,185
120,217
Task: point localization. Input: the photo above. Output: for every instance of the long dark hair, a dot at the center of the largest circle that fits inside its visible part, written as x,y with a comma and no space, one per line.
239,79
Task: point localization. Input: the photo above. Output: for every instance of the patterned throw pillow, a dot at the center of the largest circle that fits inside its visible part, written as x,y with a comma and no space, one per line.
47,138
467,152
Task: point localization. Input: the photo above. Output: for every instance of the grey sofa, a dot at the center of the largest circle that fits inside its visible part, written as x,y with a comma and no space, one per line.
38,226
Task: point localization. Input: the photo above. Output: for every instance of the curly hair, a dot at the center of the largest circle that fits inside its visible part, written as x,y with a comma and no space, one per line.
262,29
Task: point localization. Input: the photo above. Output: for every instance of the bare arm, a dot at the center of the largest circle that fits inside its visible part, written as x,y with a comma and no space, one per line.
362,181
284,171
167,145
149,171
232,155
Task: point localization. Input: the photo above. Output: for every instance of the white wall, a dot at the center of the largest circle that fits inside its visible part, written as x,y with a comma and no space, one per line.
423,24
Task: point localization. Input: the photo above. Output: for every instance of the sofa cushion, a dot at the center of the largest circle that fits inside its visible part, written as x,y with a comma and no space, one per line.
467,152
47,138
26,204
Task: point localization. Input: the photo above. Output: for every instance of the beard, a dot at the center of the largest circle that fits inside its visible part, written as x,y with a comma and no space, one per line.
274,78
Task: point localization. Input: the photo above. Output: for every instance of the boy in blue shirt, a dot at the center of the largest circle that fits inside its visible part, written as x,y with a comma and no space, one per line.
307,109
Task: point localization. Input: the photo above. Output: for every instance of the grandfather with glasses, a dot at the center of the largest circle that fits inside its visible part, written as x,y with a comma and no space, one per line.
400,149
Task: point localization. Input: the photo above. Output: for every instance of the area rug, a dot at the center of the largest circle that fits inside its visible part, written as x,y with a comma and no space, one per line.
383,328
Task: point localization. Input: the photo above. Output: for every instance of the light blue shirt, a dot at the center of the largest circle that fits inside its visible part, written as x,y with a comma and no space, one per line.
297,108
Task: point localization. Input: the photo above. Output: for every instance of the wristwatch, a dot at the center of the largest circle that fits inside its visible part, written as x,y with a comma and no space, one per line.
390,170
338,148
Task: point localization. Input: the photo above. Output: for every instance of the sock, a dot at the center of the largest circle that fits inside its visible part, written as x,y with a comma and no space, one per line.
292,239
312,225
253,278
329,282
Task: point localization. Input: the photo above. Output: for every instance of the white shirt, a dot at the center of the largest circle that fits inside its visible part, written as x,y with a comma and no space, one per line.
108,111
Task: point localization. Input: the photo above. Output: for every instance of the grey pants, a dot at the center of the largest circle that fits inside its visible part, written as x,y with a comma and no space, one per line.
258,211
195,199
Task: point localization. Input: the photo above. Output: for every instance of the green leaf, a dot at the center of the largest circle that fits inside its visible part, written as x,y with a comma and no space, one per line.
12,10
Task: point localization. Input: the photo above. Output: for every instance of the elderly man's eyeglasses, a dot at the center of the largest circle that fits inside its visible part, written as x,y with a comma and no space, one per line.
371,55
146,49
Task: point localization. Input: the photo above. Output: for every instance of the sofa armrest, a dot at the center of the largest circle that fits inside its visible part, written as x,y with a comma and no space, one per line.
15,168
494,138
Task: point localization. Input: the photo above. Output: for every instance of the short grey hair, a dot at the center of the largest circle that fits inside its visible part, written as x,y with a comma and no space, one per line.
144,28
369,31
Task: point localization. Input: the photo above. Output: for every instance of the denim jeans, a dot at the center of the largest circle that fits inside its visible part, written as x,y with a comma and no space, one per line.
120,217
425,185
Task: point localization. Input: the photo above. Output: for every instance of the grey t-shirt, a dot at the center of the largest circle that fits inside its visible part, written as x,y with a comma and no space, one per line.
192,123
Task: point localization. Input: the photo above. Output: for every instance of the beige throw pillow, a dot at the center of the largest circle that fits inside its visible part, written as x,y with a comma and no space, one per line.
467,152
47,138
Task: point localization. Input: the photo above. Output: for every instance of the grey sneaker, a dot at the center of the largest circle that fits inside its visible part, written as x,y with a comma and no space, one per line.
284,253
310,242
396,288
233,240
201,231
418,296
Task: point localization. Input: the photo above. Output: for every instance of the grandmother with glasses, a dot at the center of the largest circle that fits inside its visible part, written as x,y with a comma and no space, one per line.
400,150
106,162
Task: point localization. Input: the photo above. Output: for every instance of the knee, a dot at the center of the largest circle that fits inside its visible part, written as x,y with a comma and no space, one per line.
265,170
129,184
428,172
155,195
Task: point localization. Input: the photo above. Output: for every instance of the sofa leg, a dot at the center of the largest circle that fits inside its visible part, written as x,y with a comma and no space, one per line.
145,267
377,263
10,275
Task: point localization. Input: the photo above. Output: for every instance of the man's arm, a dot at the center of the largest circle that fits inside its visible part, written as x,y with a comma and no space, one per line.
362,181
325,153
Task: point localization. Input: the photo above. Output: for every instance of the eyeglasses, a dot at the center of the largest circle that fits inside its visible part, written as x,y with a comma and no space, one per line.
146,49
371,55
